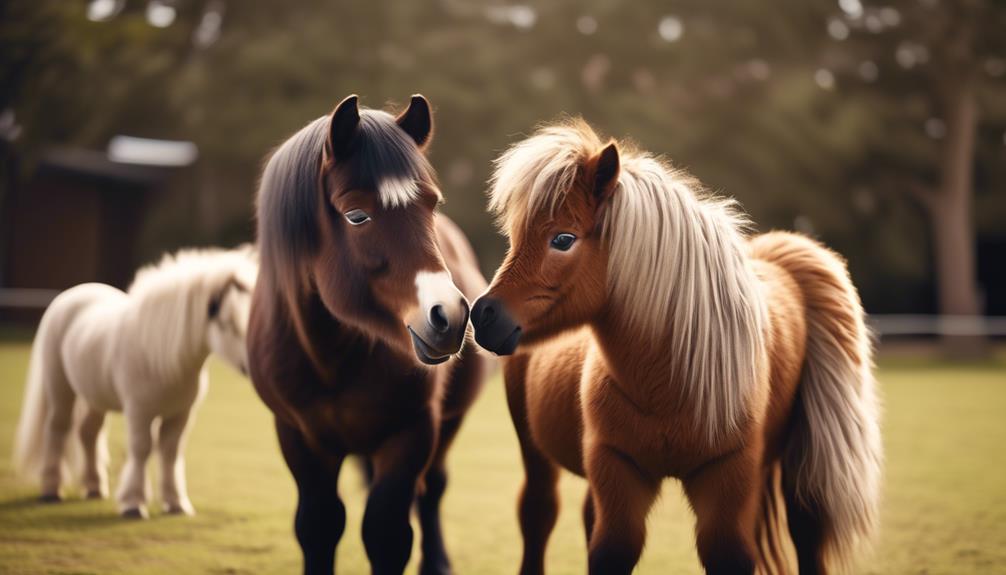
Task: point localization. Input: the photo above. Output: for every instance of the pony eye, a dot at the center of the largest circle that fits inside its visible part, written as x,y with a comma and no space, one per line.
357,217
563,241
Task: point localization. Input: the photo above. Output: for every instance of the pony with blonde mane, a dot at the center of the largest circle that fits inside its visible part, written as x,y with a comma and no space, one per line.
652,337
141,352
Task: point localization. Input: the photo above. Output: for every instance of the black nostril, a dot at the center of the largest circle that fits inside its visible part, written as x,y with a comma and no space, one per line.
495,330
438,319
483,313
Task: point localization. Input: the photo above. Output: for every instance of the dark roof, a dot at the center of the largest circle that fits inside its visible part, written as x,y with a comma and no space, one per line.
94,164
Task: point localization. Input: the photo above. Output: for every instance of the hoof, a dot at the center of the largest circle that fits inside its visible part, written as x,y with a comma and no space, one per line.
50,498
175,509
134,513
435,568
94,494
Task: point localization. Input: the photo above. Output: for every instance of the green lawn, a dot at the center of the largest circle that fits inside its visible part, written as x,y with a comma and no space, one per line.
944,511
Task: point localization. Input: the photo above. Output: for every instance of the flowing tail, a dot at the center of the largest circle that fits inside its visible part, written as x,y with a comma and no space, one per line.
28,443
833,461
45,369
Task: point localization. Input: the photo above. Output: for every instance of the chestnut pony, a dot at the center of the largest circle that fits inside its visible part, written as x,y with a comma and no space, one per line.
355,325
652,338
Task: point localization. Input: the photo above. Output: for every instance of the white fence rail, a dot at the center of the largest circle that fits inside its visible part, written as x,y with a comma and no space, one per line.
26,298
887,325
914,325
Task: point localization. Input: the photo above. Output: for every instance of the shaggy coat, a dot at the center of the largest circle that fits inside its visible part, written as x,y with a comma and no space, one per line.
141,352
653,338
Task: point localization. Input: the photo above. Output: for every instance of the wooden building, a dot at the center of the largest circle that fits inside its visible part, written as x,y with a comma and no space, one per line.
76,219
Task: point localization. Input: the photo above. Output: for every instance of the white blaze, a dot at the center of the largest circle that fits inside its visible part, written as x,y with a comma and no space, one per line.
436,288
397,191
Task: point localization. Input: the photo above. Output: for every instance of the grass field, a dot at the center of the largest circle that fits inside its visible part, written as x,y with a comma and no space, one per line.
944,509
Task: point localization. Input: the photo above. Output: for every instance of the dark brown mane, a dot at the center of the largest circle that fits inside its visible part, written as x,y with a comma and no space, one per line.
288,203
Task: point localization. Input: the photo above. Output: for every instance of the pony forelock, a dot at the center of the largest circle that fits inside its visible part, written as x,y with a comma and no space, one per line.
677,269
389,160
535,174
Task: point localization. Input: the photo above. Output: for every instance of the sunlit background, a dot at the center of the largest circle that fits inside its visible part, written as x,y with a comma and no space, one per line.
878,127
132,127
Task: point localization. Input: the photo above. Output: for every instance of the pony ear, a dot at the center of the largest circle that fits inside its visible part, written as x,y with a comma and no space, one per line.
417,120
606,166
345,121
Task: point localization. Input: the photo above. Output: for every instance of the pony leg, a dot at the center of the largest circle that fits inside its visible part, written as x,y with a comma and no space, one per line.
132,493
171,442
538,504
92,439
623,494
398,464
725,495
58,422
538,508
435,558
589,516
806,528
321,515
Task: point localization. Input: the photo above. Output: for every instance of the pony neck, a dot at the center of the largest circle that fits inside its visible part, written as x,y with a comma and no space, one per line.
317,329
639,365
193,354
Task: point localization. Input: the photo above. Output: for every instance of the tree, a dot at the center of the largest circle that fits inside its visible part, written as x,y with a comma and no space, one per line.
801,111
939,77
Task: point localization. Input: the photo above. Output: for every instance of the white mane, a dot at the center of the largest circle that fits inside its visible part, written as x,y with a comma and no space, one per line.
171,298
677,269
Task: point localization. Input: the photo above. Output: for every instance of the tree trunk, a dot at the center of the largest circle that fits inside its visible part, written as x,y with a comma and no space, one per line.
952,221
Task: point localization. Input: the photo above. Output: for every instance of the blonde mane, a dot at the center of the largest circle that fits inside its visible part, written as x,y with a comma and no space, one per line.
677,270
171,298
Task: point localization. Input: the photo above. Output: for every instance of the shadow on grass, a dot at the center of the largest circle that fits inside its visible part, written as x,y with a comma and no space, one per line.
98,519
28,512
19,503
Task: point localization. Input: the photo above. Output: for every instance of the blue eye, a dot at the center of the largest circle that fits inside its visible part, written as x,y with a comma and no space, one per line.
357,217
563,241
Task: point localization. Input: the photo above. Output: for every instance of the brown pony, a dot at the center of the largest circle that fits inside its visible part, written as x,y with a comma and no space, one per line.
353,321
654,339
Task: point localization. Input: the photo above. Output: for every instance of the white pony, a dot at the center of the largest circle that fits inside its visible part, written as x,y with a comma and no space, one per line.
142,353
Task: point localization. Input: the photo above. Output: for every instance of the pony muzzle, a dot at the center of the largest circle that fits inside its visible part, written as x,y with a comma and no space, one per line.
437,326
495,329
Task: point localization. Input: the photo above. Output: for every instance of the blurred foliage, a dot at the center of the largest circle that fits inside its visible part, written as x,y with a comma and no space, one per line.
804,110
